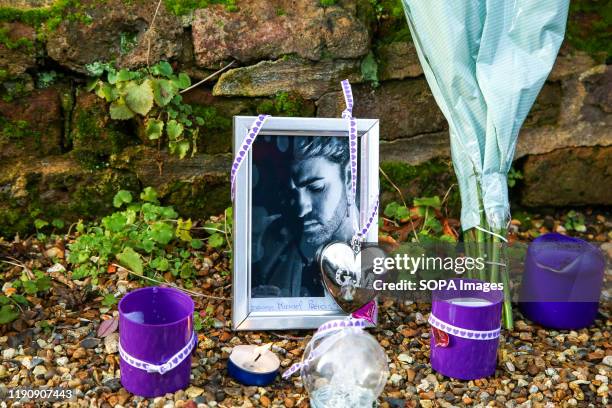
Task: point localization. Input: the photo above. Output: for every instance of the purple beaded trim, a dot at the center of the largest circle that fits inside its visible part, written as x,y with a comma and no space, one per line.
348,114
169,365
244,148
333,325
463,333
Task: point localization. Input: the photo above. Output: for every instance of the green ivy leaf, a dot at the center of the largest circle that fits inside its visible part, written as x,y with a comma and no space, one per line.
391,209
161,232
182,229
43,284
154,129
186,270
106,91
122,197
8,313
20,299
120,111
183,81
57,223
115,222
124,75
109,300
402,213
183,148
428,202
161,264
139,98
112,76
174,129
162,68
149,194
30,287
38,223
163,91
197,243
216,240
131,260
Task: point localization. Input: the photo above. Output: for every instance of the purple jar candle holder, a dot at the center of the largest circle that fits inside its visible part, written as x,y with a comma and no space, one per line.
465,330
562,282
156,340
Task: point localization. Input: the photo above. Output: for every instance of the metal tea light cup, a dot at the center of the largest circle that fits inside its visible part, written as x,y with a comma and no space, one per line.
156,339
562,282
465,331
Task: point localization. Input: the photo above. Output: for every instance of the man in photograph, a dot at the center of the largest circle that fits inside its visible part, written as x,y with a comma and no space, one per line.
314,212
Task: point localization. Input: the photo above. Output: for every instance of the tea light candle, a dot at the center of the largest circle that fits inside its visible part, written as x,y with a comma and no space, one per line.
253,365
469,301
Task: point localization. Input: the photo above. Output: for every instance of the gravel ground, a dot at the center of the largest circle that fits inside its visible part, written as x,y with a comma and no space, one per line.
56,343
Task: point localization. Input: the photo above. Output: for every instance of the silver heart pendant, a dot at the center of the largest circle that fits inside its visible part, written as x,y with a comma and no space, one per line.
347,275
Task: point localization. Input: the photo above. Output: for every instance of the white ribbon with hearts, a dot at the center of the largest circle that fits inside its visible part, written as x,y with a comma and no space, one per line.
463,333
169,365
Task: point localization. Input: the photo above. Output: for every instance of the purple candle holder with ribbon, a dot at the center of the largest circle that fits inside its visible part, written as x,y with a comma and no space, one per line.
562,282
465,331
156,340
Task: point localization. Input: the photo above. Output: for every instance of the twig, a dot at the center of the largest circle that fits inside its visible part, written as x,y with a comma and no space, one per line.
151,28
208,77
394,186
287,337
171,284
447,193
226,236
21,265
416,237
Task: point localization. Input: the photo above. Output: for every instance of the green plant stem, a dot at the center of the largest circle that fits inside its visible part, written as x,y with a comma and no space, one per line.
469,250
507,308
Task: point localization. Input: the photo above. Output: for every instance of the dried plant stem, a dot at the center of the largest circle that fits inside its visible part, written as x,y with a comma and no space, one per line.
150,30
214,74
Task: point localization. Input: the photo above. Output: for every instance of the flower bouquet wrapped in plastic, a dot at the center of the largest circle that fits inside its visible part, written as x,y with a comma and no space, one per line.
486,61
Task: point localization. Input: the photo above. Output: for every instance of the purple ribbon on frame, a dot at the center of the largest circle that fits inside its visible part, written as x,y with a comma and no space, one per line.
244,149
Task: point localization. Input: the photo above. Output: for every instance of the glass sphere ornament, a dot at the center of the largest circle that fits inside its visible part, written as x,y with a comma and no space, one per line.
344,366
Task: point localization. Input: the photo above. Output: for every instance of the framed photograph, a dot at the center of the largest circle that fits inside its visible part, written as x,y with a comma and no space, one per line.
291,200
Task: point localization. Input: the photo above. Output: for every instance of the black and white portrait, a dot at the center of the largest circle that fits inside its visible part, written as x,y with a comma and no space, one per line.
300,190
291,199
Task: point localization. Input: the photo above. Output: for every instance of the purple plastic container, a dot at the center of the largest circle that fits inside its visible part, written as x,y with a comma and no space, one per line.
562,282
156,339
469,323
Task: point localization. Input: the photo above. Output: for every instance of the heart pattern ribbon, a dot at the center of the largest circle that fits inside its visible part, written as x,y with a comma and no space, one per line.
462,332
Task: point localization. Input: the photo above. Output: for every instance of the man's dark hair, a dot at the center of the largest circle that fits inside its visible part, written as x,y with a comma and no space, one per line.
334,149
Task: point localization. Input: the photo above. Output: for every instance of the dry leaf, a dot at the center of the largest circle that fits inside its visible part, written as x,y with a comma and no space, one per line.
108,327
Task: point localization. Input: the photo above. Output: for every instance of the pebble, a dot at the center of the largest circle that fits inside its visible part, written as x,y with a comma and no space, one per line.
607,360
405,358
90,342
39,370
62,361
193,392
9,353
533,389
395,379
111,343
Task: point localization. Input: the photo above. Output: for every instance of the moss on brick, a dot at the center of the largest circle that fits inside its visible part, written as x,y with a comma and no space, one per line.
589,27
434,177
